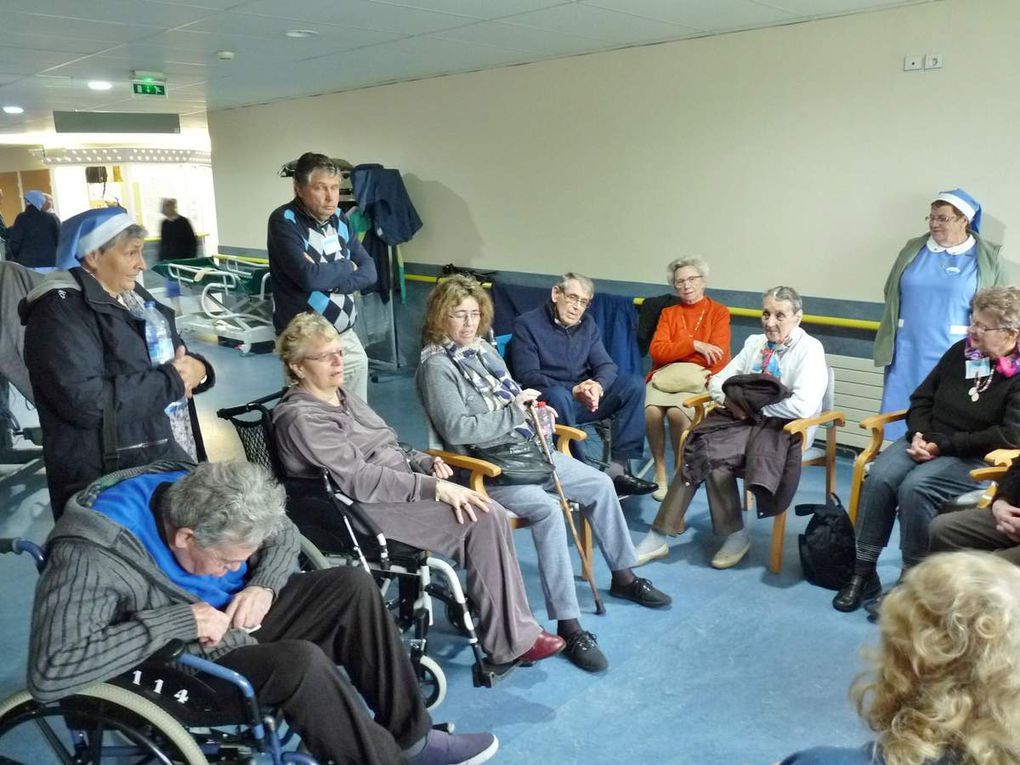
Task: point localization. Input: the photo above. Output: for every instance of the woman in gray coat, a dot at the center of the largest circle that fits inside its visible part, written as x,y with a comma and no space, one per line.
471,399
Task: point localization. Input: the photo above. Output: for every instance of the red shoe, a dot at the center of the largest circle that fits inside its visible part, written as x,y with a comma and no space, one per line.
546,645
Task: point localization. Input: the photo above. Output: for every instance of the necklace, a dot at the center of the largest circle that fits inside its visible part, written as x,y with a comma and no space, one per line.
697,326
980,386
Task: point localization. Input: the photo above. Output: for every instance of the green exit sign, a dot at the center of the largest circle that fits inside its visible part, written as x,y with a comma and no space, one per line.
148,88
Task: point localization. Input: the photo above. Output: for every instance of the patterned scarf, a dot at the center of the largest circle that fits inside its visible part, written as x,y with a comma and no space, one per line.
1007,366
493,382
771,354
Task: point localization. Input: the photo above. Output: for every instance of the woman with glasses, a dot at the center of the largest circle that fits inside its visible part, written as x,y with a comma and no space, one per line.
968,405
471,400
694,332
318,425
927,296
790,366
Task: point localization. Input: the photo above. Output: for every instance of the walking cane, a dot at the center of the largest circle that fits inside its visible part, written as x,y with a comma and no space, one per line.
586,568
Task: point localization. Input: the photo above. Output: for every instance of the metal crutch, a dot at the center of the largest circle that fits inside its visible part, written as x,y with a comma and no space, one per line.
568,511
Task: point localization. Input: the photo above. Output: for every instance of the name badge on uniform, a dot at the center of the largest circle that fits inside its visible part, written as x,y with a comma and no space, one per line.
330,245
977,368
952,270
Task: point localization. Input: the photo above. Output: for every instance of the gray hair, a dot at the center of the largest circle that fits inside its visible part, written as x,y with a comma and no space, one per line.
134,231
696,263
1002,302
310,162
586,284
233,502
785,294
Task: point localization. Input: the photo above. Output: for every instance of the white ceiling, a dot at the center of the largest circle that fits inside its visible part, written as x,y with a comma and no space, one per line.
49,49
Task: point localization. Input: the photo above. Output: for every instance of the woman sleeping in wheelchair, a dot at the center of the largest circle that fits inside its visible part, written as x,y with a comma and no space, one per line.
777,377
207,556
968,406
318,424
470,399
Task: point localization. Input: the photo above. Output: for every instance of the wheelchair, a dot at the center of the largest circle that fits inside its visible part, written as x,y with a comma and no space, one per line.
338,531
174,708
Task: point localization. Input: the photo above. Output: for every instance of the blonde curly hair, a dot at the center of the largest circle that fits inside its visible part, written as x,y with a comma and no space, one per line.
292,344
946,679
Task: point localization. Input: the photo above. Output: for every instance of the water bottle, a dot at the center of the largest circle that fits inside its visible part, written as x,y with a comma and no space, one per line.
546,420
160,344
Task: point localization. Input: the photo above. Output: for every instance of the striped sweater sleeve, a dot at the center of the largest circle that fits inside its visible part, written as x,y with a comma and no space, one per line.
85,627
276,559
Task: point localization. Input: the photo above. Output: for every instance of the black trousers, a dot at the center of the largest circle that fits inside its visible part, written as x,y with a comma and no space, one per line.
320,620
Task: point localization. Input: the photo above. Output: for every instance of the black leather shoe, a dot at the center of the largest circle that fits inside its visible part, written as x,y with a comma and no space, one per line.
583,651
642,593
859,589
630,485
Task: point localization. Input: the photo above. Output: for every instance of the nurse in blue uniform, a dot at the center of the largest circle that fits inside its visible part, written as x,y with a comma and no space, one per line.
927,296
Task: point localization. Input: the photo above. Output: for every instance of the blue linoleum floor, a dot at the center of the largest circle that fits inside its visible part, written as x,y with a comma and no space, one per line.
745,667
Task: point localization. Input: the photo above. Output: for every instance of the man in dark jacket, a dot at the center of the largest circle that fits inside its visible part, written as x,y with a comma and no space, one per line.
209,557
32,240
557,349
317,262
102,404
176,236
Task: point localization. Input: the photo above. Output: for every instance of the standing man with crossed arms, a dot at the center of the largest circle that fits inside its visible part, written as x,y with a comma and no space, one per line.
317,262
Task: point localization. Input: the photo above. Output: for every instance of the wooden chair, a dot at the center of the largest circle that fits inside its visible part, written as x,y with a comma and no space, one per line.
829,419
479,470
876,424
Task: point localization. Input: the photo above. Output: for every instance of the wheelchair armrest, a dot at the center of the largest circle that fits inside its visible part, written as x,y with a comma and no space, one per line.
479,469
1003,457
565,434
170,652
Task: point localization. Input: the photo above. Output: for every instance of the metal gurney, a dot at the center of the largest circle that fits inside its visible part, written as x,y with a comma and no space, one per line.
234,297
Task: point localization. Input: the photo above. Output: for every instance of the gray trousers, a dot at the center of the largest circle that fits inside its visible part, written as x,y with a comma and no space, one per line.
593,490
486,551
916,490
723,504
972,530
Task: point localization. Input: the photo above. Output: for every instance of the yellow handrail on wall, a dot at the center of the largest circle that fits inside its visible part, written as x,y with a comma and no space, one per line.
753,313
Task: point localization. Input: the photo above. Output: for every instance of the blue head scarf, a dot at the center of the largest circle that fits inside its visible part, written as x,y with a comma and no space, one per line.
89,231
965,203
35,198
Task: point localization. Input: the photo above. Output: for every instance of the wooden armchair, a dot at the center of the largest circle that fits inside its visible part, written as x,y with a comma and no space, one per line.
829,419
479,470
876,424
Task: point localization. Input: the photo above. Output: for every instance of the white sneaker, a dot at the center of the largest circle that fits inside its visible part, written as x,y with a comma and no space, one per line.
652,547
733,550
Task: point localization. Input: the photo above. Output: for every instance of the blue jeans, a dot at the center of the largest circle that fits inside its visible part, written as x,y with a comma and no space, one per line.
624,402
916,489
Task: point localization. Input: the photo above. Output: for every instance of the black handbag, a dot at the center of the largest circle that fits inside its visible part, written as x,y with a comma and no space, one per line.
521,462
827,547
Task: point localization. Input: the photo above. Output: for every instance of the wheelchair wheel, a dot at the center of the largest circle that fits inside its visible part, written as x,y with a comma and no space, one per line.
432,681
99,724
310,558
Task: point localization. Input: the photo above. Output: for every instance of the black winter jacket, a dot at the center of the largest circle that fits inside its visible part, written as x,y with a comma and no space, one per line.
32,240
83,349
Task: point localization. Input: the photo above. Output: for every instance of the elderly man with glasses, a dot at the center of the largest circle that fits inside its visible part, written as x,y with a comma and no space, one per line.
557,349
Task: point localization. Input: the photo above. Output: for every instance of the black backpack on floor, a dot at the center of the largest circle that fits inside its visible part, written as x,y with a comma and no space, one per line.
827,546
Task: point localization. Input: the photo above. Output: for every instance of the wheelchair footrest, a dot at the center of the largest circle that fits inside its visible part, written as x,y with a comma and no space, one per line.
486,673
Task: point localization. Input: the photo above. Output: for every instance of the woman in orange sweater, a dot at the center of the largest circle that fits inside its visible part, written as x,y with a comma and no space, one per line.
695,331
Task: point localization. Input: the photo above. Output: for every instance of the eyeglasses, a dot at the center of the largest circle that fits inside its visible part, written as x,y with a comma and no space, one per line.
326,356
980,329
691,280
465,315
940,218
576,300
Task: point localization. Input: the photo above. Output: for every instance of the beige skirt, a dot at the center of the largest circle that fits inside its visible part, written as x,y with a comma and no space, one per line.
656,397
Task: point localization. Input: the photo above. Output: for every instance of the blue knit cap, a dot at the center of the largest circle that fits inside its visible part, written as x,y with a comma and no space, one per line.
89,231
965,203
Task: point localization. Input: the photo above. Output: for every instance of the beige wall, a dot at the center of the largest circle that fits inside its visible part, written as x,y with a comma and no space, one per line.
800,154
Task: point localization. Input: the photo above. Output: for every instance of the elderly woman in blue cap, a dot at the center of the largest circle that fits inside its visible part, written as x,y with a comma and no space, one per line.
32,238
104,403
928,294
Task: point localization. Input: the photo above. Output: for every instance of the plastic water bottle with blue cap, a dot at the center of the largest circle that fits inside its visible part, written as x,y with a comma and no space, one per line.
160,344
